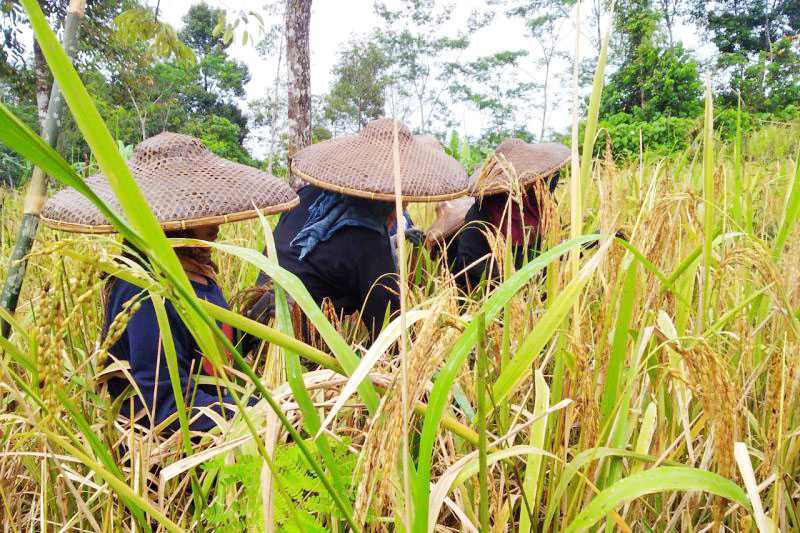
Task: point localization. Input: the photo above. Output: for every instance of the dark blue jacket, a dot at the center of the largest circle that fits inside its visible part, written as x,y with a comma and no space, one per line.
140,345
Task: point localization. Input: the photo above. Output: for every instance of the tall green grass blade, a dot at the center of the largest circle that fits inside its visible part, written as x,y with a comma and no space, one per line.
592,119
294,372
709,202
619,345
533,465
738,209
661,479
790,213
171,357
646,431
480,391
519,366
573,469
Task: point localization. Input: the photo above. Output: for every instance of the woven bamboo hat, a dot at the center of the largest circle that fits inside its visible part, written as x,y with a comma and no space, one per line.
362,165
530,162
185,185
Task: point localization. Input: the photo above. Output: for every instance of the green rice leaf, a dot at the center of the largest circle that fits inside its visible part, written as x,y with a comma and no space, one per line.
661,479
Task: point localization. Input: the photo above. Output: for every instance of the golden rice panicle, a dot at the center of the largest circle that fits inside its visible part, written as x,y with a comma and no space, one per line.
50,346
720,395
117,327
774,403
585,387
380,454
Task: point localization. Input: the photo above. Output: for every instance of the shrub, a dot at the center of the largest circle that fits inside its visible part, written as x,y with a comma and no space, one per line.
662,136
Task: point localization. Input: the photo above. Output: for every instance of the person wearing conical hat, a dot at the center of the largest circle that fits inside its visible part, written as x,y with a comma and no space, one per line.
510,191
337,240
191,191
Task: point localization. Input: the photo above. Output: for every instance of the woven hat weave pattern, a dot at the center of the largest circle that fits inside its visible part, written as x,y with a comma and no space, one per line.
363,165
185,185
514,159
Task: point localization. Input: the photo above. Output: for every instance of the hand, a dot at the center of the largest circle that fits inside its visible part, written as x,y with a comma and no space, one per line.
415,236
263,309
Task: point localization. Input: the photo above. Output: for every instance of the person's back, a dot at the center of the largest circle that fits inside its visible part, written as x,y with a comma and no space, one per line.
353,268
140,346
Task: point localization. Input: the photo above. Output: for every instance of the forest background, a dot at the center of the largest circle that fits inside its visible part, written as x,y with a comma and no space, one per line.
147,76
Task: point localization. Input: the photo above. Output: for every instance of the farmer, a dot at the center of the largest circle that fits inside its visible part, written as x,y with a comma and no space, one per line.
512,191
191,192
337,240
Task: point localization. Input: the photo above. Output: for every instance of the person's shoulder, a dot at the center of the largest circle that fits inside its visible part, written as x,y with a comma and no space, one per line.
121,289
355,244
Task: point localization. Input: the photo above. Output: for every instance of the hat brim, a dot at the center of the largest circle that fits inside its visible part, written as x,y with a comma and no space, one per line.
175,225
183,193
379,196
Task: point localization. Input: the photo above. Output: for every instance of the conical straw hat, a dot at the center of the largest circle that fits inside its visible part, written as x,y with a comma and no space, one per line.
362,165
514,158
185,185
430,141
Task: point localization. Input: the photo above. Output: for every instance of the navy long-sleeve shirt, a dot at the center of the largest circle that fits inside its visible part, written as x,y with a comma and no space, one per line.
140,345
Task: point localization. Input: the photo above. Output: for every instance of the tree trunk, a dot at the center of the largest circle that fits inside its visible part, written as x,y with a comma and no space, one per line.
37,189
298,17
544,97
43,82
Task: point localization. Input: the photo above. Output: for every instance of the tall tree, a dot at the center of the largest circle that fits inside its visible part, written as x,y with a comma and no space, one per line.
298,19
491,84
222,79
358,91
544,20
758,49
652,78
419,49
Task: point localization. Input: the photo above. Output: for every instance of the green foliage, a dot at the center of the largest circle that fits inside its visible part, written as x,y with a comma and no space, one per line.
220,135
308,501
655,81
652,78
358,92
470,156
14,169
141,25
758,50
418,48
490,84
662,135
243,479
198,31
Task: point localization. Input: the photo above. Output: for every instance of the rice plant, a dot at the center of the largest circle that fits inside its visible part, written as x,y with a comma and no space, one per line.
652,386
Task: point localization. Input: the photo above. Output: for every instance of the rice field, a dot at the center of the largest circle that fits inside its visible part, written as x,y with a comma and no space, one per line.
647,384
670,403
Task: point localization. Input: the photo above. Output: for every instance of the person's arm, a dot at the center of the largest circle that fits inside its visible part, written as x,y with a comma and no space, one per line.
473,257
375,282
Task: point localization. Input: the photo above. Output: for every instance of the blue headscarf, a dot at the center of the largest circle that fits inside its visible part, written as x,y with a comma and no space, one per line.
332,211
